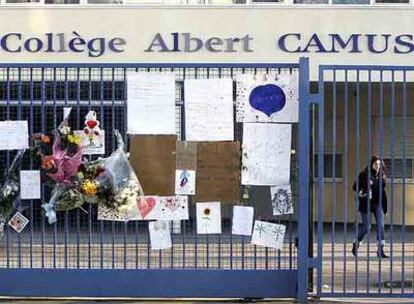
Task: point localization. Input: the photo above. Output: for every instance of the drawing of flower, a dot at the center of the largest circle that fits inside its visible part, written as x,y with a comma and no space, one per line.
207,212
260,228
278,231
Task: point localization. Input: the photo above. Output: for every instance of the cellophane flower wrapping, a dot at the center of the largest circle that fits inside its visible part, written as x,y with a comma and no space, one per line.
66,197
125,183
10,190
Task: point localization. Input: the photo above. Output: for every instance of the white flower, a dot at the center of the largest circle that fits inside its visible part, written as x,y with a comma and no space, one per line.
64,130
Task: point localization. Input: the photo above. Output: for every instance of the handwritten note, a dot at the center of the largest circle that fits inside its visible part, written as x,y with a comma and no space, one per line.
14,135
266,154
30,184
209,109
151,103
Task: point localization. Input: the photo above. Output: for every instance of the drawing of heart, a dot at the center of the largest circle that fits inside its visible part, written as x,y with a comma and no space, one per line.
171,204
91,123
145,205
268,99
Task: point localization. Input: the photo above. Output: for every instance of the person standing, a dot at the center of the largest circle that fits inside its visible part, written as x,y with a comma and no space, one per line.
372,198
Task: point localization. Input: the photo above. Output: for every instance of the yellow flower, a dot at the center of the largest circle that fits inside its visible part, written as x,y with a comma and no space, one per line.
74,139
89,187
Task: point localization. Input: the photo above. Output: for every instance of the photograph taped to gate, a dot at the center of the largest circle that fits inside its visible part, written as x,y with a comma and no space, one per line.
18,222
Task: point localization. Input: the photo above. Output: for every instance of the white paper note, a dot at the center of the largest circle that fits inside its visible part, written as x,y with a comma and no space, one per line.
167,208
209,109
172,208
185,182
281,198
30,184
208,218
266,154
151,103
160,235
268,234
242,220
14,135
267,98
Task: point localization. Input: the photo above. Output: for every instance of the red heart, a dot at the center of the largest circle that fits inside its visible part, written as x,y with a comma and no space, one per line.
91,123
171,203
145,205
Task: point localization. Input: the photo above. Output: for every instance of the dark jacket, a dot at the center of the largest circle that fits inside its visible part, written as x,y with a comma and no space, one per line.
377,187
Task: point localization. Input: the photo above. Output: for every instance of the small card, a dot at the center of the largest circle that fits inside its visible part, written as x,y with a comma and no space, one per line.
92,144
160,235
30,184
185,182
242,220
92,137
18,222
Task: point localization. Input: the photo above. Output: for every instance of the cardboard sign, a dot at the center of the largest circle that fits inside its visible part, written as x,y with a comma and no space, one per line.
153,159
186,155
218,172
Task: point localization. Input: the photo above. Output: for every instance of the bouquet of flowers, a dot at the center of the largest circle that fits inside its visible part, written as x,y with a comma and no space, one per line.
94,182
9,191
60,161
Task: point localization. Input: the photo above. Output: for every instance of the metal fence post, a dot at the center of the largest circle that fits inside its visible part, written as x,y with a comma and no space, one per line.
303,218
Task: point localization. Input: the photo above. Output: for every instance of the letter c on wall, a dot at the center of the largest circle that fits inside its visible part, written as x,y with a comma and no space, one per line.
5,46
282,43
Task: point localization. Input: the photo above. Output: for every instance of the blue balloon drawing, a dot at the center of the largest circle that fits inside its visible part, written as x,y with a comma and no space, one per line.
268,99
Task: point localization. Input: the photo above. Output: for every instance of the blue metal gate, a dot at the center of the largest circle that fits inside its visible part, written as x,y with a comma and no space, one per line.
362,111
81,257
